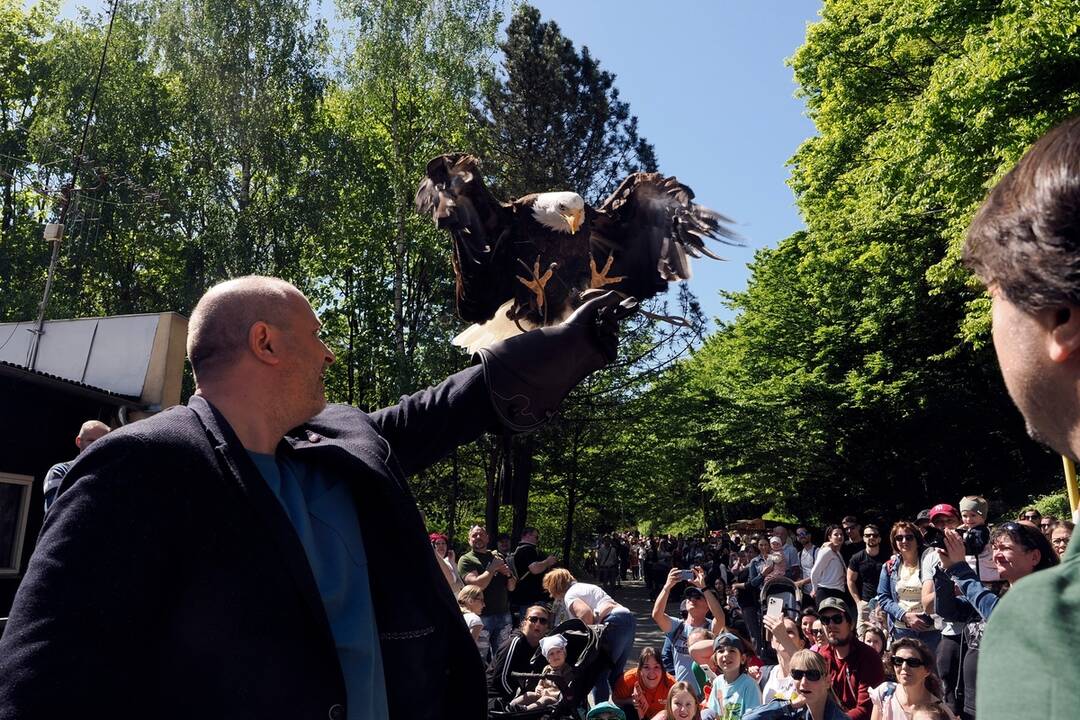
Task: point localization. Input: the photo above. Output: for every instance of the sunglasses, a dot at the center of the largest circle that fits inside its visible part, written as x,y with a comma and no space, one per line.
870,535
1020,534
1031,516
833,619
1045,525
811,675
911,662
536,619
905,538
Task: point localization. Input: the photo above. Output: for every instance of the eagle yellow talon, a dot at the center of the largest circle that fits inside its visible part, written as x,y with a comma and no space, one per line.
600,278
538,281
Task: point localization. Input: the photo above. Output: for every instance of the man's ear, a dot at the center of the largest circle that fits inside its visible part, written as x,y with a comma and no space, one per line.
262,342
1063,339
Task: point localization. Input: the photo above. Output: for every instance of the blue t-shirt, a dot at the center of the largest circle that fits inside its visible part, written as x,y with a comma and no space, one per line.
738,697
680,631
320,507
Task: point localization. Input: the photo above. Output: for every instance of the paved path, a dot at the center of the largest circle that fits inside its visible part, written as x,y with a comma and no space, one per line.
635,596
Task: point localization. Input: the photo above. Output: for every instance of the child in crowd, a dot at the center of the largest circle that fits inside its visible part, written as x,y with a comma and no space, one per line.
471,601
977,538
733,691
547,691
699,643
682,704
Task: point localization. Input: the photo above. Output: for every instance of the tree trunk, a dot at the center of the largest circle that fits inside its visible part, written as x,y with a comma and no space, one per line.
491,511
455,488
571,501
522,464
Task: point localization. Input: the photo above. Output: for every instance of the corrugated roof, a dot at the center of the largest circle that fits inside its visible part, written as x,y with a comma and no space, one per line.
17,371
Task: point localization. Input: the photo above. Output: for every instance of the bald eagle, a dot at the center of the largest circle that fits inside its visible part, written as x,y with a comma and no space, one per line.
526,263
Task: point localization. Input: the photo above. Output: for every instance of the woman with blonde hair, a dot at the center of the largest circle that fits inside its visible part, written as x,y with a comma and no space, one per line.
592,605
682,703
815,699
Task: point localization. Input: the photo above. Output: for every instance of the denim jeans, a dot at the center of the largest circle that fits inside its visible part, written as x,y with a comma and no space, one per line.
498,627
619,628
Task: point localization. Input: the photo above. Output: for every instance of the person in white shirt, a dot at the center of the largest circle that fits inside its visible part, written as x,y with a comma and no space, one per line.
593,606
828,577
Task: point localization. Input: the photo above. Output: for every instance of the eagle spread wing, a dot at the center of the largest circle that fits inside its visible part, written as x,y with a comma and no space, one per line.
454,194
643,233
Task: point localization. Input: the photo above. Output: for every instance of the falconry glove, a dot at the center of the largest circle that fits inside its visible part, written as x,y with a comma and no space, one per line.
529,375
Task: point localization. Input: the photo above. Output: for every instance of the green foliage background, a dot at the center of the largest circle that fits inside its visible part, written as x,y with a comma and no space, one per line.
239,136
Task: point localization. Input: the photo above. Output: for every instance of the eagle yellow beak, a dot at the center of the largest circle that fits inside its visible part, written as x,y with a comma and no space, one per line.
574,220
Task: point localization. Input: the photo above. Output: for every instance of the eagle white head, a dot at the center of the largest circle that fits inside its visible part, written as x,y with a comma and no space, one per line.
560,211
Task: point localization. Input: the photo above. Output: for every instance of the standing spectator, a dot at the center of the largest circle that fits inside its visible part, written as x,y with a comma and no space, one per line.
807,556
516,655
916,683
1047,524
829,575
441,545
1059,539
758,571
853,541
90,431
471,601
864,571
622,549
489,572
1032,515
791,553
607,562
529,567
645,688
502,545
699,602
854,667
900,589
635,559
1019,550
593,606
922,521
950,649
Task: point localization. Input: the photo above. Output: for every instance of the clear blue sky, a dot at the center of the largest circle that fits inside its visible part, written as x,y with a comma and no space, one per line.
709,86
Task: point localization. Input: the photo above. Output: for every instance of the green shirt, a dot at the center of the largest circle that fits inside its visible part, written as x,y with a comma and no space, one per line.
1028,659
495,594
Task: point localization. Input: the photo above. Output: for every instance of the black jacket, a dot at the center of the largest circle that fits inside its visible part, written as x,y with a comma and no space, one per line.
168,581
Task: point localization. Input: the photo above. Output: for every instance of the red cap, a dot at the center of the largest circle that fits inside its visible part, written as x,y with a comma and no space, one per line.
944,509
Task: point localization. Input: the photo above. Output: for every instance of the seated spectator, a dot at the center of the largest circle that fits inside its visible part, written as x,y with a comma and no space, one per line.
900,588
699,602
645,687
547,692
733,692
681,704
593,606
854,667
806,624
916,682
471,601
816,699
1059,539
516,655
775,681
1019,550
447,561
818,631
875,638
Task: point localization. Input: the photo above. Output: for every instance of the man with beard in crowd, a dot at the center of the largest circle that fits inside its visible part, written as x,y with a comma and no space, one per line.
1024,245
864,571
853,541
854,666
489,572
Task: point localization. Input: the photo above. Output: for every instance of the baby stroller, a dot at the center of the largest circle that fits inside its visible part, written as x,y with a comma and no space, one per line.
586,654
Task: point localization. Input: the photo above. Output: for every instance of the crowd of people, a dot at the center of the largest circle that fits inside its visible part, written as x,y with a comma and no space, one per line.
858,624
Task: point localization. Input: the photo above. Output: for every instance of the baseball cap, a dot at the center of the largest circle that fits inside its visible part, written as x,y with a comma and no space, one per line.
834,603
727,640
923,516
606,710
943,509
692,592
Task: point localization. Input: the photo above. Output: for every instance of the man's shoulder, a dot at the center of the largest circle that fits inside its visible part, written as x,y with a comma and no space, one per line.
1029,639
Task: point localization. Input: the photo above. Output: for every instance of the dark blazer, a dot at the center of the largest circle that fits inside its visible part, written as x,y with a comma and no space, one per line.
169,583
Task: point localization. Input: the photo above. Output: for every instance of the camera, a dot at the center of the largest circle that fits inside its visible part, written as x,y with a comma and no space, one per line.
975,538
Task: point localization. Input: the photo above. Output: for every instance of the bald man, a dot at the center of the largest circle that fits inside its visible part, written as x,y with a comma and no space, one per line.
244,556
90,431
